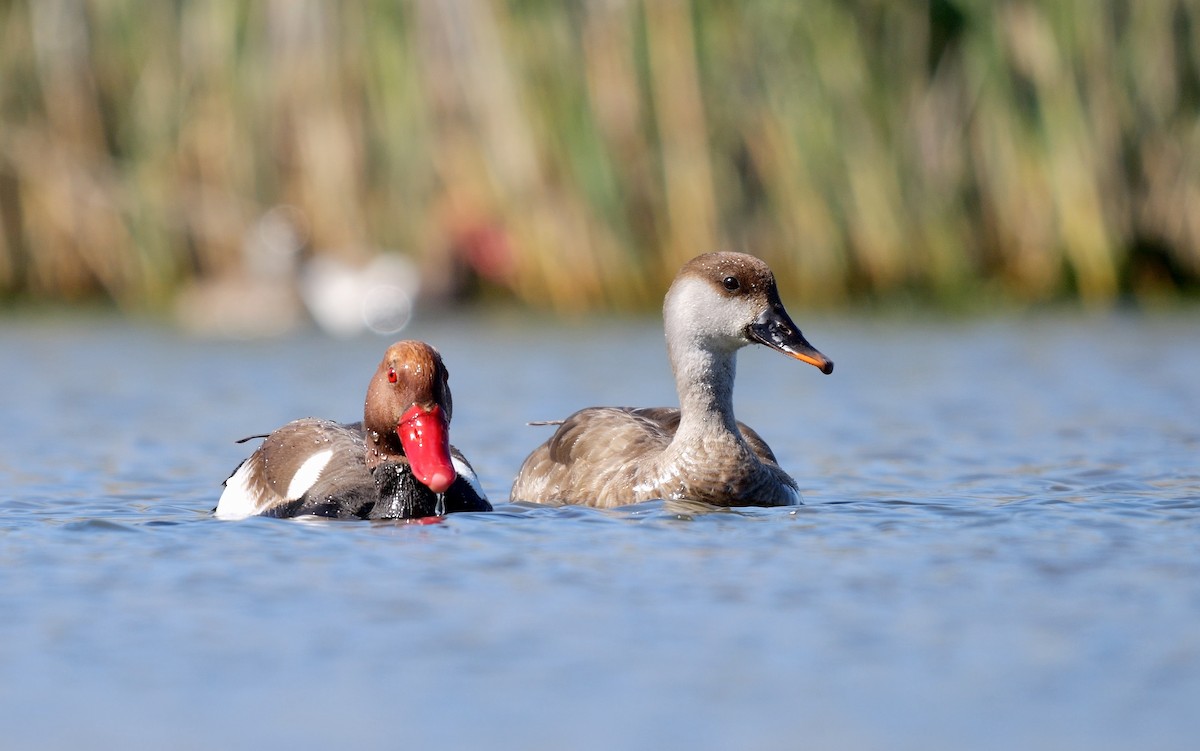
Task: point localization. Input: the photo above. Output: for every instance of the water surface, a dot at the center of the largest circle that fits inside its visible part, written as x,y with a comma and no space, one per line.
1000,549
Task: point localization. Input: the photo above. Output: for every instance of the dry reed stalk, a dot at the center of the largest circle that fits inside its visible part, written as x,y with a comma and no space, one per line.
804,224
682,133
614,99
1048,148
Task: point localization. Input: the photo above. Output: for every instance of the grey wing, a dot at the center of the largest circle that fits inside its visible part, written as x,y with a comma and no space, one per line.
587,451
757,443
668,419
665,419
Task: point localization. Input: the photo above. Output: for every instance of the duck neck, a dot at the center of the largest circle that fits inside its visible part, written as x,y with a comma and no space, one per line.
704,379
383,446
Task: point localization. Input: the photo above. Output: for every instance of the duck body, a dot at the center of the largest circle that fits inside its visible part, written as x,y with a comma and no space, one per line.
315,467
396,464
722,469
611,456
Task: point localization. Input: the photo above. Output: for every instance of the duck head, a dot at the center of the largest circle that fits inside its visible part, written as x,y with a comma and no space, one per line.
721,302
407,413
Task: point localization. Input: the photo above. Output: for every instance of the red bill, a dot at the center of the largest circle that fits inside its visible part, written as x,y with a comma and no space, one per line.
425,434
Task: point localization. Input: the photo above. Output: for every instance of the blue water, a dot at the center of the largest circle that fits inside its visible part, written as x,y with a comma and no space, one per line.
1000,549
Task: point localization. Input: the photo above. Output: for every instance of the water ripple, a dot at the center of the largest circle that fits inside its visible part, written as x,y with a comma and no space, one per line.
989,557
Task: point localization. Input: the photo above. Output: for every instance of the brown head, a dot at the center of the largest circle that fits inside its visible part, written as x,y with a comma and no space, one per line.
728,300
407,413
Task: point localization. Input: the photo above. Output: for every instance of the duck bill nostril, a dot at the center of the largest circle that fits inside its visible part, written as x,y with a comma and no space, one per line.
775,329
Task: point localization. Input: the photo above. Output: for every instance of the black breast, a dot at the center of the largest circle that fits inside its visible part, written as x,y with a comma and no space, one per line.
395,494
401,496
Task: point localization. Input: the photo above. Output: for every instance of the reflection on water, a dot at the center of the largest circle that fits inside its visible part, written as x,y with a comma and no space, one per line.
1000,548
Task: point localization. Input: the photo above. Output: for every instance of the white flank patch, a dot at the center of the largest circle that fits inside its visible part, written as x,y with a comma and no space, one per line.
238,500
308,474
464,471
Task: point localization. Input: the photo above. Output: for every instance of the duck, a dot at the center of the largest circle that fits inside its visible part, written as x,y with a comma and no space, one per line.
699,453
396,464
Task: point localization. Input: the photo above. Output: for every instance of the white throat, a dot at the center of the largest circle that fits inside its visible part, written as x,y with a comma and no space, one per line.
703,337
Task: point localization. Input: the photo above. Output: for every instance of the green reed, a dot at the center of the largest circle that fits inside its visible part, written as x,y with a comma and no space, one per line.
577,152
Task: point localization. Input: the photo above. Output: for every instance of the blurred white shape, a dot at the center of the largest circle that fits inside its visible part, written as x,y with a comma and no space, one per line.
386,309
272,247
347,300
258,299
268,294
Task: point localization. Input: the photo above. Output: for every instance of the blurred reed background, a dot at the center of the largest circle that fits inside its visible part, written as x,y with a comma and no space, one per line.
574,153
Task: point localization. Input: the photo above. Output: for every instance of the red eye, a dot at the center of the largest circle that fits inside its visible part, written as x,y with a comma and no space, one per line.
391,375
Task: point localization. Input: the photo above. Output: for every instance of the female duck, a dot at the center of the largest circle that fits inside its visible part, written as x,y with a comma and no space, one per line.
610,456
395,464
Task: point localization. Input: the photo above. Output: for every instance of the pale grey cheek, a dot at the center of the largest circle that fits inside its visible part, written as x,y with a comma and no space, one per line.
731,315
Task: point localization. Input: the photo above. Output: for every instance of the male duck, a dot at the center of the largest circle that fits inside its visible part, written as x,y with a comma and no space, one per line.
396,464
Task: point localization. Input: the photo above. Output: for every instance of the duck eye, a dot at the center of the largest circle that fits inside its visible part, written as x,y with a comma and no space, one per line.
392,377
731,283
